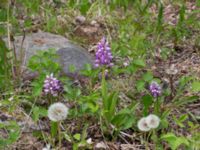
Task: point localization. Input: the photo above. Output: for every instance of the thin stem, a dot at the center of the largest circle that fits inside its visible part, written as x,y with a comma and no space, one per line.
103,74
157,106
8,34
49,97
8,25
90,85
171,87
76,107
103,87
146,141
59,136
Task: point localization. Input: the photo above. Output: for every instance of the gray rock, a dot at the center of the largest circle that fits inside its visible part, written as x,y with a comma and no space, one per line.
70,54
73,56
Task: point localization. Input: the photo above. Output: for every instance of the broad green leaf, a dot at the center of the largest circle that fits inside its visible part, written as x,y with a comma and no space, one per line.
123,120
147,100
112,102
147,76
183,117
13,130
198,3
37,88
164,123
140,85
84,6
38,112
77,136
109,105
139,63
174,141
196,86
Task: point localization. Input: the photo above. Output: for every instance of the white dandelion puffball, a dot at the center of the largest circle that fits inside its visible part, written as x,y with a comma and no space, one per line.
57,112
142,124
152,121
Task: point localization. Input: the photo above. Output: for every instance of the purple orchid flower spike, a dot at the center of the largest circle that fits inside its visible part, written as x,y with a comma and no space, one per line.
103,54
155,89
52,85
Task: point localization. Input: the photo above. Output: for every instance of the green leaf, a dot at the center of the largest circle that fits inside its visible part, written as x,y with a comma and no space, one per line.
186,100
44,62
72,92
181,15
178,122
147,100
3,14
13,130
84,6
103,86
198,3
139,63
54,128
123,119
164,123
183,117
160,18
147,76
140,85
5,66
109,105
196,86
174,141
112,102
37,88
72,68
77,136
38,112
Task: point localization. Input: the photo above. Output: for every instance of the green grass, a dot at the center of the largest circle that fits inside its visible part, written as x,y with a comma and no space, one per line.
109,108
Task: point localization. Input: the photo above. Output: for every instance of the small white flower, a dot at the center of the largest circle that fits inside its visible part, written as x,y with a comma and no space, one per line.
125,64
142,124
48,147
11,98
152,121
57,112
89,141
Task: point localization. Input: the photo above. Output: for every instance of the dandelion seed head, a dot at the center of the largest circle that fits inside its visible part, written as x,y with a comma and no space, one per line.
152,121
142,125
57,112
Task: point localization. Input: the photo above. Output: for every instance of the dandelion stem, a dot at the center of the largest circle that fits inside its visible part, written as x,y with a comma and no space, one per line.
59,135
